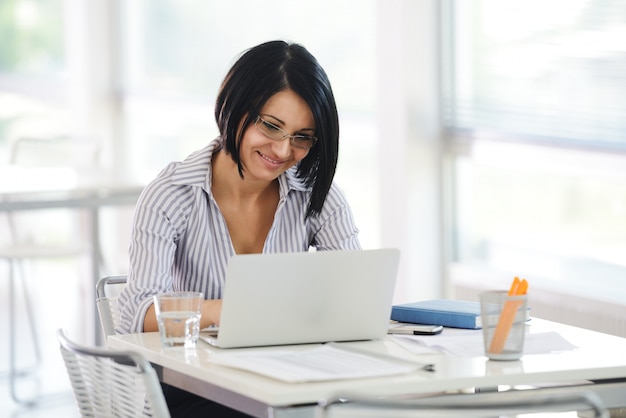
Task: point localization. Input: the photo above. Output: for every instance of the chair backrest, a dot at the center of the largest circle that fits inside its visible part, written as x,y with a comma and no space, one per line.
109,383
65,161
107,290
510,403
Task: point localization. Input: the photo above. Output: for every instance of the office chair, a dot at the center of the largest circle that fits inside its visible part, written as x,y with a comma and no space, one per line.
107,290
109,383
514,402
23,240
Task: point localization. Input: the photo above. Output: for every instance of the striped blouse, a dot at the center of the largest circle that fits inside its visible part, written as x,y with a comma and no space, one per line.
180,240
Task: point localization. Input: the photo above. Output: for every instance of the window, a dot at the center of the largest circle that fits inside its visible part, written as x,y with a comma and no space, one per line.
32,70
32,37
535,113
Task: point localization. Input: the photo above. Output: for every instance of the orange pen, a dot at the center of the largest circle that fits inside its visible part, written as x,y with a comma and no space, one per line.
514,286
507,316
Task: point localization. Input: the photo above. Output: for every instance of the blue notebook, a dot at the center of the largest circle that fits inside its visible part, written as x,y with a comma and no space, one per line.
446,312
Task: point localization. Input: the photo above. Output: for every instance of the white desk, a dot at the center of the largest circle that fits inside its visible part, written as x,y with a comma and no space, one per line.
62,188
598,357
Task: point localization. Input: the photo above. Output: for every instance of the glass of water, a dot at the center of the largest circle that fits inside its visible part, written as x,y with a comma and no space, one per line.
178,315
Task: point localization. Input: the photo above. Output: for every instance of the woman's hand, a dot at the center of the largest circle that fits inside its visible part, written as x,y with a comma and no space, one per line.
211,312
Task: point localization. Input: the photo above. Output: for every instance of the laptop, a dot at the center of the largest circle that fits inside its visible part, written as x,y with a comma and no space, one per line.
306,297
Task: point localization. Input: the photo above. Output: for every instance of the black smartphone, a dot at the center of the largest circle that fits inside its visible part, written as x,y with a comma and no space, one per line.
414,329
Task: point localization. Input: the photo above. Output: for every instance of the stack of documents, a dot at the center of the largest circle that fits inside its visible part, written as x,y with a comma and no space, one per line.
324,362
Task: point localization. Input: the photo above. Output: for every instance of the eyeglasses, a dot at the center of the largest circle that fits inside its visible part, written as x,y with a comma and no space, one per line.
277,134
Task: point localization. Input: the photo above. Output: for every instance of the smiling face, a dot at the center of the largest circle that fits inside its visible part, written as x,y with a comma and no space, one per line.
264,158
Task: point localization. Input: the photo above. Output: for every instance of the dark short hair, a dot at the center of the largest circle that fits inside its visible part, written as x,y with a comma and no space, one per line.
257,75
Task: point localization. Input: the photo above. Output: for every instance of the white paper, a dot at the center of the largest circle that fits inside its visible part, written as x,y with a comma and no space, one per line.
465,343
326,362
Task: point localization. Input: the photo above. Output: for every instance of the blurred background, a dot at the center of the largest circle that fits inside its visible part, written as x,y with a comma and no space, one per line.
484,138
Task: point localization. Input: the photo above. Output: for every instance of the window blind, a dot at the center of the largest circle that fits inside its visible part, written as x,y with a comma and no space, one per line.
540,70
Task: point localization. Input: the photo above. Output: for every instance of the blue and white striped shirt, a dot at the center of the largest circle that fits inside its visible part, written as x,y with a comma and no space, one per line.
180,240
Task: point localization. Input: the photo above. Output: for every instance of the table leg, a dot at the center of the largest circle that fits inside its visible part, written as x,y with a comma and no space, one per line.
96,262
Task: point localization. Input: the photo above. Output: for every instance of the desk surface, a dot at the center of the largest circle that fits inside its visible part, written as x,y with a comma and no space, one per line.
597,357
94,197
46,188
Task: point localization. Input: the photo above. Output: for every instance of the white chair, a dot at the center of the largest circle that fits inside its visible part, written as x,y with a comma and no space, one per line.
511,403
112,383
107,291
22,237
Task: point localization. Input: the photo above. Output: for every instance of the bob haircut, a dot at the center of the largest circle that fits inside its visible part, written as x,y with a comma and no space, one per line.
257,75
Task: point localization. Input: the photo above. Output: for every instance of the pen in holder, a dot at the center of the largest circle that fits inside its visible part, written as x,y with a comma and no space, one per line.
504,321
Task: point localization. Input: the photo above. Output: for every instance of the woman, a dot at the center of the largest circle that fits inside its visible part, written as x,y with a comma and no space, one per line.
264,185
